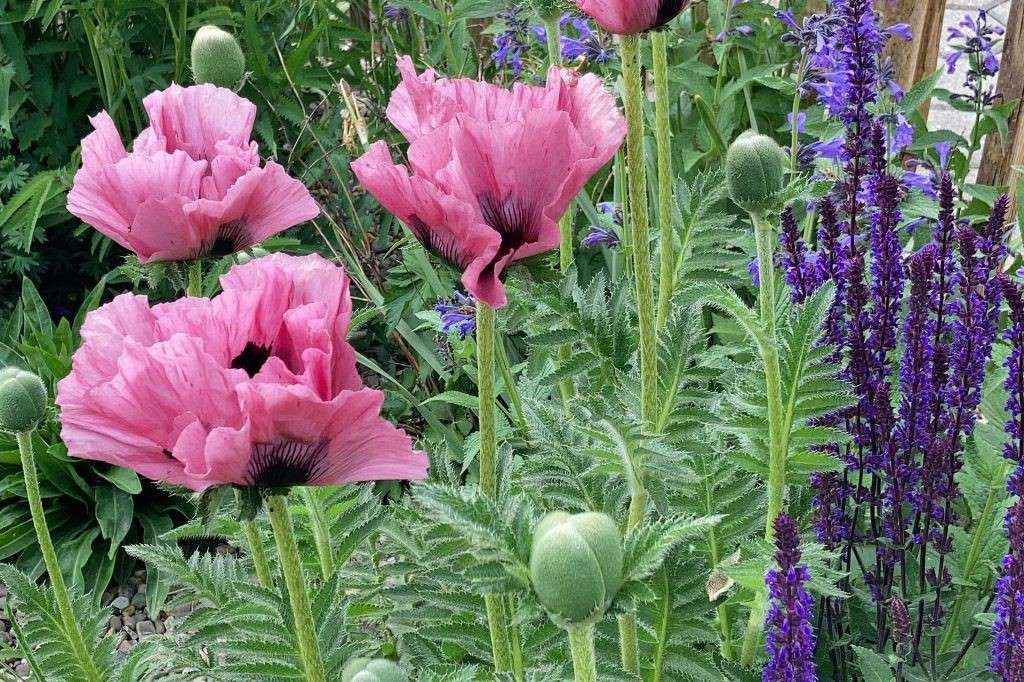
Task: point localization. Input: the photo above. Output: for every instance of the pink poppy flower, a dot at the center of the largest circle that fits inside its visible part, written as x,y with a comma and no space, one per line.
627,17
491,171
255,387
192,186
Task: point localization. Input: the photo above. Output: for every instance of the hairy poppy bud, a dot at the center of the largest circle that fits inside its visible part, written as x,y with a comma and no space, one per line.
755,167
576,564
373,670
23,400
217,58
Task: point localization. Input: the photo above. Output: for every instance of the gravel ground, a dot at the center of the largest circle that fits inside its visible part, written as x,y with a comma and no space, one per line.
129,620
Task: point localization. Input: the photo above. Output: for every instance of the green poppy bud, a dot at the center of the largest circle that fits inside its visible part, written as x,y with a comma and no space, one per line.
217,58
755,169
373,670
576,564
23,400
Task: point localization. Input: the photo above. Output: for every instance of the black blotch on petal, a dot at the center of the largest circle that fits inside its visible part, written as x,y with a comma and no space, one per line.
251,359
284,463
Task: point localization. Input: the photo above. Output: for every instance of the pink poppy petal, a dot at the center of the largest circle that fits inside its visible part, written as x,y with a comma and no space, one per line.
195,119
261,203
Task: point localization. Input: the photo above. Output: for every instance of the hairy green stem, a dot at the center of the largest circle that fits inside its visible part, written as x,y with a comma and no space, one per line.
640,221
258,554
663,137
497,625
640,241
72,630
565,224
497,614
554,44
295,581
321,534
485,342
581,643
629,643
773,388
194,286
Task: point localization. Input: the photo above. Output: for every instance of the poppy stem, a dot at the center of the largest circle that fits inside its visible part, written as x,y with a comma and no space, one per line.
485,344
321,534
639,219
663,138
194,285
581,643
72,629
551,31
258,554
497,613
295,581
776,439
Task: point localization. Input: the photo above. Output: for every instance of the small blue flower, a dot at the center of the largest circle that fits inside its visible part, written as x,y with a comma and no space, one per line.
599,236
901,31
944,149
801,121
904,134
395,12
458,315
831,150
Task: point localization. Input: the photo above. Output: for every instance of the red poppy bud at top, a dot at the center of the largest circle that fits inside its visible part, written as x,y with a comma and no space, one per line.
754,168
627,17
217,58
373,670
576,564
23,400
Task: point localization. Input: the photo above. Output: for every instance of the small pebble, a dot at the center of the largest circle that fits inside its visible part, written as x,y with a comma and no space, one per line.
120,602
145,627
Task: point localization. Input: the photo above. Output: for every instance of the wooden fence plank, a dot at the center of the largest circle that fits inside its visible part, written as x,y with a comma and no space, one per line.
999,158
918,58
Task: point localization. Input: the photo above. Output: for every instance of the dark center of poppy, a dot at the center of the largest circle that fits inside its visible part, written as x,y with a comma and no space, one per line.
230,238
284,463
251,359
440,243
516,220
668,10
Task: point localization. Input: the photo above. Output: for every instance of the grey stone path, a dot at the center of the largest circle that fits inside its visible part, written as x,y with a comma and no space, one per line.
942,115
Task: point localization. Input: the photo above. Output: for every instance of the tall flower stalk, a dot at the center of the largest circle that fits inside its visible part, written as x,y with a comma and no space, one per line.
754,169
640,241
295,582
663,138
72,629
495,604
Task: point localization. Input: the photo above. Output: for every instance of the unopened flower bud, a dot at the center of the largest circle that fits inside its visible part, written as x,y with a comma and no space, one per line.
373,670
217,58
576,564
23,400
755,169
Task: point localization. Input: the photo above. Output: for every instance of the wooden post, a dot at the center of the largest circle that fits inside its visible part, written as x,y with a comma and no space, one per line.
918,58
999,158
